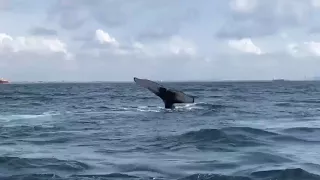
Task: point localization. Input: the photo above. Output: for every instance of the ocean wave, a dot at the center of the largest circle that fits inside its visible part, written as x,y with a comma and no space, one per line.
24,131
177,108
284,104
207,139
302,130
150,170
227,139
281,174
51,176
12,117
224,139
51,140
25,98
106,176
294,139
264,158
249,130
218,136
211,105
17,163
307,101
300,134
32,177
214,177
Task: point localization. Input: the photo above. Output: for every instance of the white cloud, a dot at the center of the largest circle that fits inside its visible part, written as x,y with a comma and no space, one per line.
304,49
168,59
314,47
257,18
315,3
174,46
245,45
32,44
179,45
105,38
243,5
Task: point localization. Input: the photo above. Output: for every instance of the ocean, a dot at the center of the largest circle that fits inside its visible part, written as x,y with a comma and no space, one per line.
234,130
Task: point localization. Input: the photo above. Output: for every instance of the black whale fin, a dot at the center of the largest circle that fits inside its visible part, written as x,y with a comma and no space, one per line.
169,96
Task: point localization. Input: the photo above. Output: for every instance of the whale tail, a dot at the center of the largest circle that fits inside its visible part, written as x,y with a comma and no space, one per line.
168,96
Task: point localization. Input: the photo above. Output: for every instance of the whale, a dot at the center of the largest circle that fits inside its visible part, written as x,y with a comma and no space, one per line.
169,96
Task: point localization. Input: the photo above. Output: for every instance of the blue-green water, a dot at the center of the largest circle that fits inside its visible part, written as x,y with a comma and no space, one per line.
234,130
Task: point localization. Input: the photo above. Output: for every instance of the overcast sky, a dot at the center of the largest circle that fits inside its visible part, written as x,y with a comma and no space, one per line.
85,40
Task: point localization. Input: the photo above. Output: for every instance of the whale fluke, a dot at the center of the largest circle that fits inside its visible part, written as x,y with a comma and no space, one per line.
168,96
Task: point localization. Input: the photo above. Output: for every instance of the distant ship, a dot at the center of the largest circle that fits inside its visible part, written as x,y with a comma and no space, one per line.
278,80
3,81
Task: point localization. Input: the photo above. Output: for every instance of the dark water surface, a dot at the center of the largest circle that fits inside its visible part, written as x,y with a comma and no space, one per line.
121,131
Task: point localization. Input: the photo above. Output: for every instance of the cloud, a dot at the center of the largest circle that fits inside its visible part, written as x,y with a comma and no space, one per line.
102,41
69,14
162,26
174,46
245,45
40,31
148,20
32,44
243,6
105,38
105,57
304,49
178,58
167,60
315,3
253,18
34,58
245,29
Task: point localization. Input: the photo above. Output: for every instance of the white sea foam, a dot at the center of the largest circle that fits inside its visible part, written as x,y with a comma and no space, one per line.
26,119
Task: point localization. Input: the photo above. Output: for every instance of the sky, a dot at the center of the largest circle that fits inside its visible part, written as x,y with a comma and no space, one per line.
180,40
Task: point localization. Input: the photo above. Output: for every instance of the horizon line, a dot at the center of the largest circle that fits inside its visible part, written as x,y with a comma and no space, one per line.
162,81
